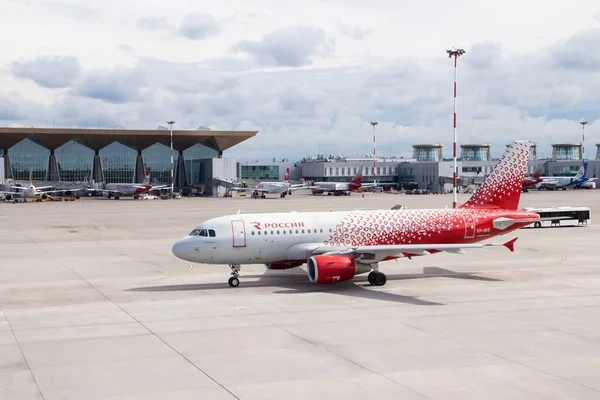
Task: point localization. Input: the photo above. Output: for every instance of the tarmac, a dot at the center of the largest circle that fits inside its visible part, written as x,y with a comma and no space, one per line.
94,306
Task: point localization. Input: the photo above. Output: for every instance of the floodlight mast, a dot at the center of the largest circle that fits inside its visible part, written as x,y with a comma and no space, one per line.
455,53
583,123
172,180
374,124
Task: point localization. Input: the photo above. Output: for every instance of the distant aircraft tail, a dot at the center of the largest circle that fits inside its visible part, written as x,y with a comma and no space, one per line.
538,171
581,172
146,180
30,177
356,182
502,188
286,177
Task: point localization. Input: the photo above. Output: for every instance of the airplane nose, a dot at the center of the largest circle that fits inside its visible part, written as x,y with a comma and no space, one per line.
181,249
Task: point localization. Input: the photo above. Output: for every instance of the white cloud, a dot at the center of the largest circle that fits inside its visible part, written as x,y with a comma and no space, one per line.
198,26
307,81
291,47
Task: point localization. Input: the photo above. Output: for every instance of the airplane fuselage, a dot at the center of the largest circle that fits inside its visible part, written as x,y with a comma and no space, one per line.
127,189
290,237
272,187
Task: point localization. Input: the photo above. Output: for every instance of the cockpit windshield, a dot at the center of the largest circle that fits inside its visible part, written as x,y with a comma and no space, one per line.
203,233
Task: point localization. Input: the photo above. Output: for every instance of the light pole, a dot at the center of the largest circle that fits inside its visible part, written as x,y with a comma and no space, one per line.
455,53
374,124
583,123
172,181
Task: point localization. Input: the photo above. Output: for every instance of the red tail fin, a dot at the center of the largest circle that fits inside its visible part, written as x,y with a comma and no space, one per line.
356,182
502,188
287,175
538,170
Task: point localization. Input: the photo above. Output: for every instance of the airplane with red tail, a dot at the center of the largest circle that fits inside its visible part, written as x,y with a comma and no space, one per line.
530,182
336,246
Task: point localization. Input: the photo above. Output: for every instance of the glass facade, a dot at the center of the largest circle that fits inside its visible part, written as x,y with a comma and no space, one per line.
28,156
118,163
270,172
427,153
193,157
566,152
475,153
158,158
565,170
74,161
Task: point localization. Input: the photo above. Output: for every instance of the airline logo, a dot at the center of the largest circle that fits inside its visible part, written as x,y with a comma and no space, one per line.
274,225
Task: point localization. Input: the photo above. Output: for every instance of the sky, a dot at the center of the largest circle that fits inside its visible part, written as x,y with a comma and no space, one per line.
310,76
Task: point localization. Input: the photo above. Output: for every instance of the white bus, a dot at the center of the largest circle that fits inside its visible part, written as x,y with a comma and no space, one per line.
561,216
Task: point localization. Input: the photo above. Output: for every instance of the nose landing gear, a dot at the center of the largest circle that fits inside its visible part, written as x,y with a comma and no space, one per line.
235,272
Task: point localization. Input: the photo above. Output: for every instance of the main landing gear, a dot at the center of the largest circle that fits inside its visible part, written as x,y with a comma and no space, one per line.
235,272
377,278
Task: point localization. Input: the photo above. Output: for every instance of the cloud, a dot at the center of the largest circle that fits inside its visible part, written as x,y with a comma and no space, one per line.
198,26
153,24
354,32
301,110
48,71
578,52
483,55
118,85
292,46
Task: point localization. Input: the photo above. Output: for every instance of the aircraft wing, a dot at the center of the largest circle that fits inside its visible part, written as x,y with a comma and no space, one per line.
105,191
58,190
373,254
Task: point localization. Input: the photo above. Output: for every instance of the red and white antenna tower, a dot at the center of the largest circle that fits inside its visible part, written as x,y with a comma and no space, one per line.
455,53
583,123
374,124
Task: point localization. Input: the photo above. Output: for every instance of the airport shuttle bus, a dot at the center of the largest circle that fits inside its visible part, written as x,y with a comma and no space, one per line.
561,216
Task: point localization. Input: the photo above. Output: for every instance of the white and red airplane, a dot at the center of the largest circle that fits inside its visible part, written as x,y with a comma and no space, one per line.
339,245
119,190
282,188
30,191
339,188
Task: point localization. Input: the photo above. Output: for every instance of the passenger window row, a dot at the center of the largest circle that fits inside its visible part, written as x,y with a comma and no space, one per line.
287,232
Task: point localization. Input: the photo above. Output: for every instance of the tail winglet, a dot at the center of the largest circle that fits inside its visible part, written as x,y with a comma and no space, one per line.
511,244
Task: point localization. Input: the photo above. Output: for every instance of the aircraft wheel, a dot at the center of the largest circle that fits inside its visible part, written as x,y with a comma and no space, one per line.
380,279
234,282
371,277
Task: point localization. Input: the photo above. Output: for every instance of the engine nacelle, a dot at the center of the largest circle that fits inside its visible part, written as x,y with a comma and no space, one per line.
334,269
283,265
8,197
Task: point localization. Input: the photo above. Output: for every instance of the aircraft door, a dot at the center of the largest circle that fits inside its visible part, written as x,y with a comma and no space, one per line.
469,226
239,233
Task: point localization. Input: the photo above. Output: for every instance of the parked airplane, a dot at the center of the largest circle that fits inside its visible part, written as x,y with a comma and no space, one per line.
530,182
282,188
339,245
30,191
338,188
564,182
119,190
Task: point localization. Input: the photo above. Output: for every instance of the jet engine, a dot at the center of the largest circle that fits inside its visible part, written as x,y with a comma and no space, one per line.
334,269
284,265
8,197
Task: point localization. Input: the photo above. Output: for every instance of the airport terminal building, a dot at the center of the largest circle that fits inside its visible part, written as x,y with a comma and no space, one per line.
119,155
427,169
